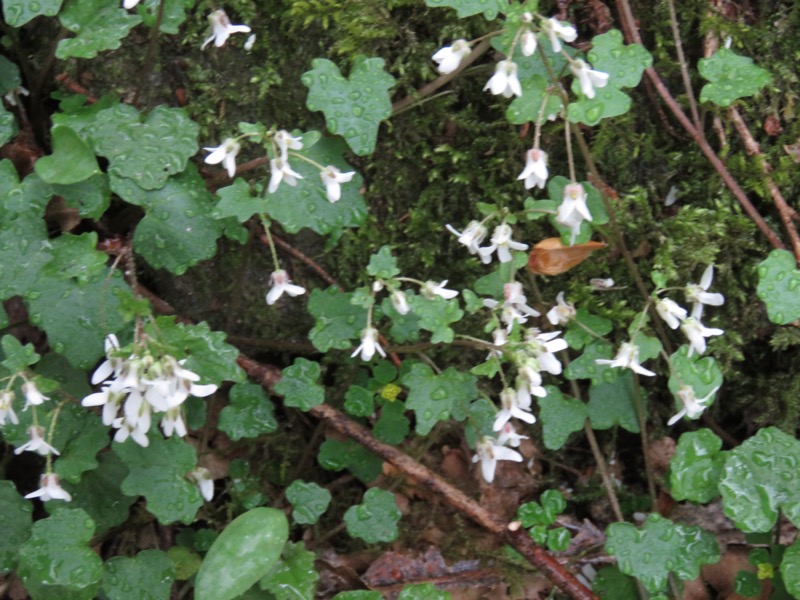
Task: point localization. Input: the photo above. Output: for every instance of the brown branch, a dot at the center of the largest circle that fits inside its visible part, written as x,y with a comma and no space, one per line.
632,35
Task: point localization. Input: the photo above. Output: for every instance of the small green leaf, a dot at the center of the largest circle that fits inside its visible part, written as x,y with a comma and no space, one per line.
435,315
91,197
237,201
79,436
467,8
8,125
17,357
526,108
747,583
382,264
243,553
299,387
438,397
358,595
99,25
585,328
71,161
76,256
624,64
375,519
731,77
250,413
337,320
308,500
15,523
423,591
147,576
585,367
560,417
337,456
185,562
294,577
696,467
612,403
553,503
607,102
703,375
660,547
18,12
172,18
760,479
392,426
354,107
158,473
778,284
558,539
790,569
359,401
613,584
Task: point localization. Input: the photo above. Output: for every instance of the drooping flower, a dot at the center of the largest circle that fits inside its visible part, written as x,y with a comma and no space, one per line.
36,443
600,284
535,171
672,312
472,236
505,80
172,422
369,344
109,399
515,305
543,346
697,333
628,358
280,282
205,483
449,58
7,408
499,338
488,451
250,42
556,32
562,313
698,294
221,29
692,406
509,436
513,405
33,397
126,430
129,4
573,209
431,289
285,141
50,489
530,376
400,302
225,153
502,243
528,43
588,78
280,170
333,178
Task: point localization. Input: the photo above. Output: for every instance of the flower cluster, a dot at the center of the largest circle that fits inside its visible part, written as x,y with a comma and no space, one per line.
139,385
500,242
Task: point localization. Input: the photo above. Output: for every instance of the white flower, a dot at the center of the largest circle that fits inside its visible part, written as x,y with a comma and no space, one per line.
554,30
513,405
36,443
530,377
535,171
221,29
7,408
573,204
109,399
126,430
562,313
332,178
11,96
167,385
672,312
505,80
698,295
697,333
502,243
205,483
528,43
284,141
692,407
51,489
280,170
172,422
472,236
510,437
280,282
588,78
449,58
400,302
599,284
489,451
225,153
112,365
544,346
129,4
369,344
250,42
499,338
628,358
431,289
33,397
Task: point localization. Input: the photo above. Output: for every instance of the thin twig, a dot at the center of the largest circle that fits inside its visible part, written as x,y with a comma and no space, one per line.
147,63
687,81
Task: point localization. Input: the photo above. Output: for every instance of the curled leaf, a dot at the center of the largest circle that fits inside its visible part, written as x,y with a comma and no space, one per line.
552,257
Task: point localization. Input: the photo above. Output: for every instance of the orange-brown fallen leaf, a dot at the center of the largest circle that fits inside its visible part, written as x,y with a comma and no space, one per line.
551,257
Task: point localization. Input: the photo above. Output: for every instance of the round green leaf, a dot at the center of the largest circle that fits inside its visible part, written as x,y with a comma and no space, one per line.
560,417
696,467
790,569
18,12
249,414
467,8
778,284
309,501
374,520
299,387
242,554
148,576
15,523
99,25
72,160
294,577
731,76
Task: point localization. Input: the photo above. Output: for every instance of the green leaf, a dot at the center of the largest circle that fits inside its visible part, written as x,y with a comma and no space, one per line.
703,375
17,357
337,456
359,401
404,328
353,107
660,547
624,64
560,416
294,577
760,479
375,519
585,367
526,108
158,473
174,14
76,256
307,205
392,426
731,77
15,523
8,125
747,584
382,264
358,595
790,569
79,436
299,387
250,413
337,320
185,562
90,197
467,8
612,403
147,152
585,328
553,503
607,102
72,161
435,315
308,500
243,553
423,591
57,555
612,584
99,25
236,201
696,467
18,12
558,539
438,397
778,282
147,576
